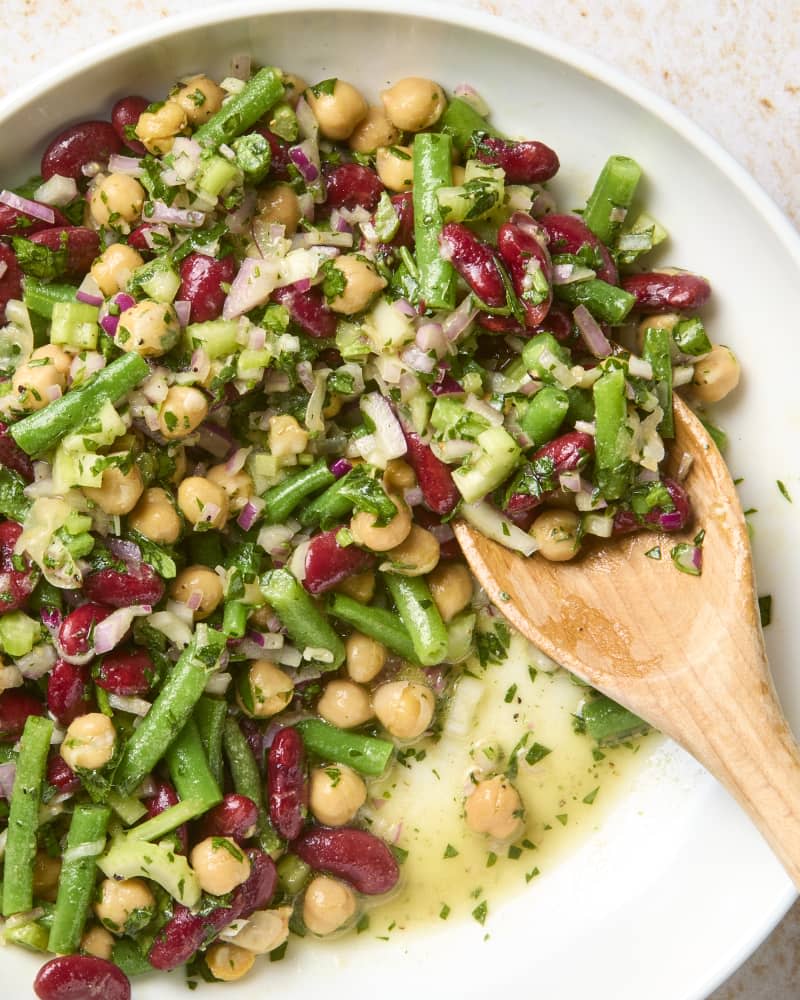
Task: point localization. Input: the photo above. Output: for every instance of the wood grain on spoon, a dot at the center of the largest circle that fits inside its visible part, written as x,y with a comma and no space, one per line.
685,653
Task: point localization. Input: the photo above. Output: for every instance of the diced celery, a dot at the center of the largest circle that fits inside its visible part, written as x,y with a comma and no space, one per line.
130,858
162,285
217,337
388,328
451,419
419,411
459,637
542,353
100,431
18,633
250,362
352,341
75,324
216,174
498,456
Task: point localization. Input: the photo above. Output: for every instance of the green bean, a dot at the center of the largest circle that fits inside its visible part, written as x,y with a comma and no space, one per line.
32,936
41,296
242,110
86,841
234,619
366,754
461,121
209,714
189,770
612,435
42,430
247,781
282,499
292,874
377,623
170,819
23,817
421,617
545,414
611,198
432,170
328,508
306,625
657,351
170,710
605,302
13,502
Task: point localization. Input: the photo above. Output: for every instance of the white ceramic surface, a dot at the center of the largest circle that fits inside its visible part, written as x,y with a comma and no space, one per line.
677,888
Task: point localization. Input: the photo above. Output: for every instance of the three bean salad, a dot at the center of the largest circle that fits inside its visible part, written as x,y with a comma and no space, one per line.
263,341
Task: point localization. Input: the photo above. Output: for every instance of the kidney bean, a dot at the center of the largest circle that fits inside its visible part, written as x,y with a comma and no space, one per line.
279,164
139,584
566,453
201,285
126,672
81,977
660,291
236,816
287,783
475,261
15,707
308,309
502,324
61,776
81,244
568,234
356,856
439,491
626,521
558,321
12,456
13,222
328,563
524,162
124,114
87,142
523,254
16,585
10,279
352,186
73,634
164,797
69,692
137,240
185,932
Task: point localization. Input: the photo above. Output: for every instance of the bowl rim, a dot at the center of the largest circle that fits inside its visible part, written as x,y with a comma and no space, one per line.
515,32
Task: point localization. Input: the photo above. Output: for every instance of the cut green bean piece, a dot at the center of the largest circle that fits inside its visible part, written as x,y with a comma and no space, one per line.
612,435
128,956
461,121
432,170
657,351
189,770
170,819
247,781
41,296
210,715
329,508
377,623
613,193
23,817
545,414
366,754
307,626
234,619
605,302
282,499
242,110
609,723
419,614
86,841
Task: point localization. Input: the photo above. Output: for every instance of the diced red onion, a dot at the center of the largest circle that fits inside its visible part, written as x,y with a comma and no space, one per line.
129,552
324,240
51,619
89,292
3,268
256,339
32,208
92,300
302,156
132,705
209,512
252,286
38,662
110,632
543,204
53,392
585,426
216,440
472,97
484,410
275,381
176,216
341,467
305,202
388,431
404,306
430,337
302,286
306,122
442,533
239,219
250,513
200,366
305,375
413,496
8,773
160,231
418,360
124,301
57,190
590,331
672,521
109,323
458,320
183,308
639,368
130,165
218,684
570,481
236,462
446,385
194,600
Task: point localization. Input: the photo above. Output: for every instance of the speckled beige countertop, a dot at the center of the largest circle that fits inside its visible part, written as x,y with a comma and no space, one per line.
731,65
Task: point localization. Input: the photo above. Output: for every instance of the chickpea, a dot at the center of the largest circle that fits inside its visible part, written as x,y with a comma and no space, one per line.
56,355
399,475
395,167
328,905
265,931
365,657
278,205
372,536
155,517
362,284
114,266
359,586
414,103
715,375
293,88
372,131
196,580
98,942
345,704
157,129
228,962
337,793
124,906
183,410
238,485
46,872
261,617
556,534
89,742
178,455
203,502
286,437
118,197
220,865
416,555
200,98
149,328
119,491
451,589
269,689
495,808
339,112
661,321
404,708
38,383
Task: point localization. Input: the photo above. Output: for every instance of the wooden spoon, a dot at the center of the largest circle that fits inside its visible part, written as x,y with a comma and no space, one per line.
685,653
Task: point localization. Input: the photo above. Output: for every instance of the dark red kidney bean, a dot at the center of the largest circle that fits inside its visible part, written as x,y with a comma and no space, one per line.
137,240
126,672
558,321
439,491
475,261
10,279
236,816
202,278
75,629
328,563
502,324
16,585
72,149
139,584
308,309
82,246
566,453
287,783
61,776
185,932
522,252
69,692
81,977
164,797
356,856
125,114
352,186
15,707
13,222
279,164
657,291
625,523
568,234
12,456
524,162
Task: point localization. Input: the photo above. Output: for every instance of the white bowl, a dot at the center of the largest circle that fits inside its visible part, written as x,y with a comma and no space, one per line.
677,888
